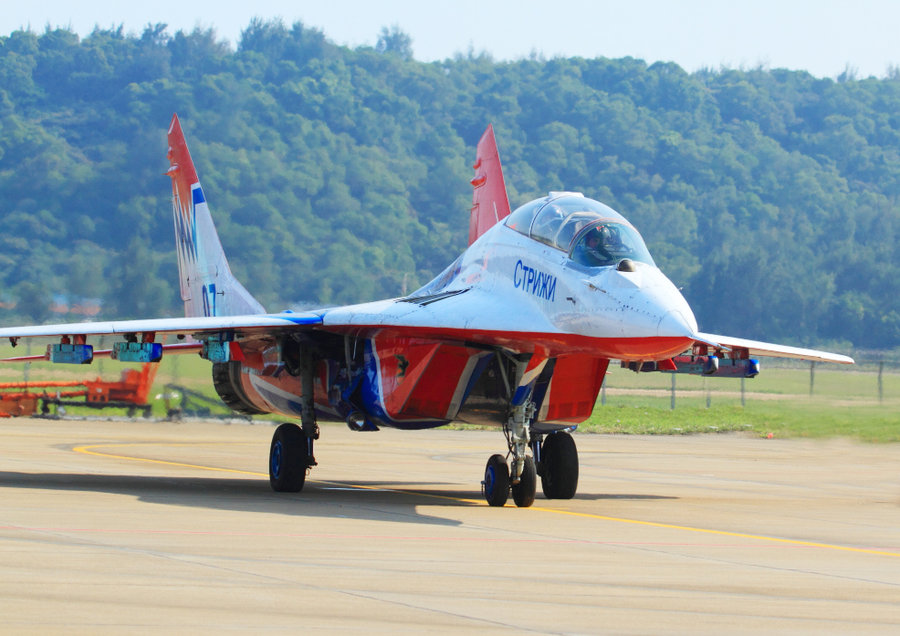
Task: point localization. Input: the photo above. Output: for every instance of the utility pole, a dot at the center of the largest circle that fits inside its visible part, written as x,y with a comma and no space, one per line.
812,377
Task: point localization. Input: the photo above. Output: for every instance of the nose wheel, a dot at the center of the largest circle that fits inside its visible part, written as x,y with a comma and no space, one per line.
497,484
520,475
496,481
524,491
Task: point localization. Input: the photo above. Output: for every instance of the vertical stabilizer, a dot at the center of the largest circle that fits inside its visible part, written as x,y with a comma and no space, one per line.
490,203
207,285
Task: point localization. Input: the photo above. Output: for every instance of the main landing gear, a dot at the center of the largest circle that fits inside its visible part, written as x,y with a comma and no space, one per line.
554,459
559,466
288,459
291,452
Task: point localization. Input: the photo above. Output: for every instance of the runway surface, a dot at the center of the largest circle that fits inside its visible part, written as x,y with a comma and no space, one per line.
159,527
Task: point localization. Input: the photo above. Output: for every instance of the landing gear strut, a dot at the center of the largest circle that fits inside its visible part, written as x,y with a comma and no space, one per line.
291,452
520,477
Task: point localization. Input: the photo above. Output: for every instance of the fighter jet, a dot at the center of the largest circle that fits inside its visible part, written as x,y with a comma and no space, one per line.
517,333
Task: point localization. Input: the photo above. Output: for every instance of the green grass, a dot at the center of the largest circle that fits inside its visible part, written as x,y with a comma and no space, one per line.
782,418
845,401
829,380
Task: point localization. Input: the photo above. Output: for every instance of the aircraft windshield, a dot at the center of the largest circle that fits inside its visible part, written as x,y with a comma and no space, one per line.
561,218
606,243
575,224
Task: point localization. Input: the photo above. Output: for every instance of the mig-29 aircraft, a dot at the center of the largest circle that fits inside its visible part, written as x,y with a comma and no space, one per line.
517,332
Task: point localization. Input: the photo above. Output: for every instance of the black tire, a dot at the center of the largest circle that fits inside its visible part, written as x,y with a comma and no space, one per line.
227,383
496,481
523,492
288,459
559,466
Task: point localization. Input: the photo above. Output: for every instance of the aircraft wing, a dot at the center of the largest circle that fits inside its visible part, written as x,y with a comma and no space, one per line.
171,326
383,314
757,348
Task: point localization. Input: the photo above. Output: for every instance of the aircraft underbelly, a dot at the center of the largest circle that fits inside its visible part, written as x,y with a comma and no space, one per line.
416,382
572,390
282,393
400,382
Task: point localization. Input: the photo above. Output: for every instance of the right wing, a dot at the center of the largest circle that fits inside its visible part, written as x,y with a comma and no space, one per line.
193,326
156,329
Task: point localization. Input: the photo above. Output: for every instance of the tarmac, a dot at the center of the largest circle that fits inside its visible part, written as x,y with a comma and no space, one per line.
160,527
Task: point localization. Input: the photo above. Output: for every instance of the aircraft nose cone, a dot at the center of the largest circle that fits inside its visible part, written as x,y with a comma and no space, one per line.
675,325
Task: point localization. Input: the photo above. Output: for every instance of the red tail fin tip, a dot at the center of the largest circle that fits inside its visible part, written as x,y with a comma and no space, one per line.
490,203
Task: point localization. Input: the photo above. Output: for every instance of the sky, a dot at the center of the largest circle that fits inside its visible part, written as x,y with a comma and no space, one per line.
824,37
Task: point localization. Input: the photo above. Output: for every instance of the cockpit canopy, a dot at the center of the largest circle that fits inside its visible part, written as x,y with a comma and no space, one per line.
592,234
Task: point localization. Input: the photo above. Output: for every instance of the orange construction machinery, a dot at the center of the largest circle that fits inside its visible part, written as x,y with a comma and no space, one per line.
131,392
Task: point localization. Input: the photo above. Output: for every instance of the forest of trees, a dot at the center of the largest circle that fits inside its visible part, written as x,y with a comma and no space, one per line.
341,175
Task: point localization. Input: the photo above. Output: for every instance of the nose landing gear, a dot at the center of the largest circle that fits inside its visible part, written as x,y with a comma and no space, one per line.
524,491
496,481
520,477
556,464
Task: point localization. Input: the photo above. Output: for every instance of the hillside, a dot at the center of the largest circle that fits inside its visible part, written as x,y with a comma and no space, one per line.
340,175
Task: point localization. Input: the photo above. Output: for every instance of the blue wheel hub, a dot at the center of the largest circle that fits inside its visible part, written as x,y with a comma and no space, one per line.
490,481
277,452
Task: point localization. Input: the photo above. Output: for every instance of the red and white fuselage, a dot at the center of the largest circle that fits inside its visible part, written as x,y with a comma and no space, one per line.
511,290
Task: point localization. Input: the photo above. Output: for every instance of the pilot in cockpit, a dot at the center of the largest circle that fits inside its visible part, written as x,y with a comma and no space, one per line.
591,250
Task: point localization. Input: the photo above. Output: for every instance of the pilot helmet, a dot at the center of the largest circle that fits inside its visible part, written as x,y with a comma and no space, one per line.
600,233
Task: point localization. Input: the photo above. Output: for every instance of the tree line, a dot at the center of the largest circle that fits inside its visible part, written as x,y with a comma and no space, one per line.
340,174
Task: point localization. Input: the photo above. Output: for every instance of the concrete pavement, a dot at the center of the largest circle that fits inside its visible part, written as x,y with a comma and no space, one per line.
157,527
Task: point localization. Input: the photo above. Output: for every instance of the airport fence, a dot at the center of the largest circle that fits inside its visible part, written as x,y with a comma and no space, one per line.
874,379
